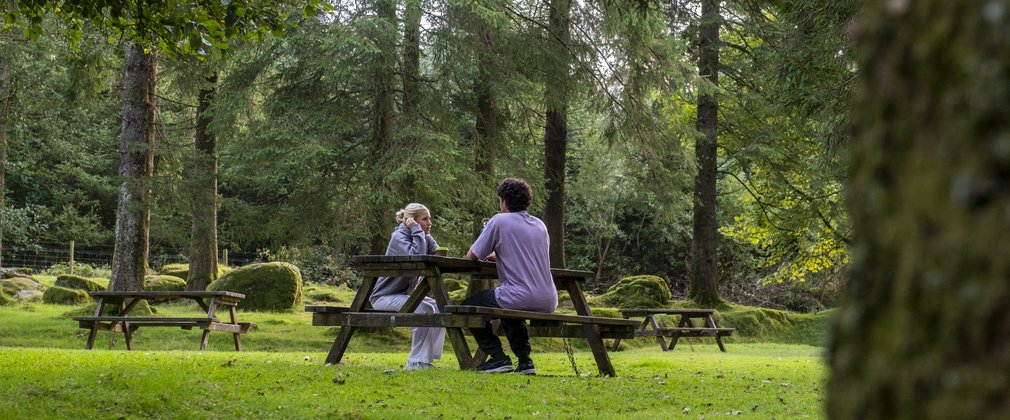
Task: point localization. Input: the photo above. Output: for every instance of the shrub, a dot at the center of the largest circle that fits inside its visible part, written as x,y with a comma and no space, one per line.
266,286
64,296
71,281
317,263
80,269
14,285
639,292
164,283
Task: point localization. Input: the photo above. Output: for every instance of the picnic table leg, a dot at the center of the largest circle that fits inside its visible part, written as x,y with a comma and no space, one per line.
99,307
655,327
238,341
710,322
211,309
344,336
126,325
456,336
685,321
592,331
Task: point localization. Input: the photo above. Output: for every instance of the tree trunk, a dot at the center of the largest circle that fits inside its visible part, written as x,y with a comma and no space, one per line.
383,77
411,58
136,166
704,271
5,96
203,242
923,331
488,135
556,129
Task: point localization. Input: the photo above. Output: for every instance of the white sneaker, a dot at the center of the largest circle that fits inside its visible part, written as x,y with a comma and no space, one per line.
418,366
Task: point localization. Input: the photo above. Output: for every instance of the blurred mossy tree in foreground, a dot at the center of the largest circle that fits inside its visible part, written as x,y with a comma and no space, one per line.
923,331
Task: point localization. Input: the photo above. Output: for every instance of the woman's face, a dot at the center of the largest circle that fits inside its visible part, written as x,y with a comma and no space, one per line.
424,219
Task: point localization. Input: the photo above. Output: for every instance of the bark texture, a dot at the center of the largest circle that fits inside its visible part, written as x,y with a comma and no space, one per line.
136,165
556,128
383,113
203,239
704,287
924,331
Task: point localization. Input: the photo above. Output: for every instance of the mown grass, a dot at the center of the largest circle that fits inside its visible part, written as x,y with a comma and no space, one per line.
767,381
44,372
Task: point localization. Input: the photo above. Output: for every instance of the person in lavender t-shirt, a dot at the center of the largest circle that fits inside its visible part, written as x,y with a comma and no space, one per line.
518,243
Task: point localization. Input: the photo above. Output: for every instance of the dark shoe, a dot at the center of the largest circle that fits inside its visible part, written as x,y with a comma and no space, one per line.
496,366
525,368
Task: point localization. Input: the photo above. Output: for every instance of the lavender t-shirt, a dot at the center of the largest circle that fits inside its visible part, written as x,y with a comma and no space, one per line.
521,245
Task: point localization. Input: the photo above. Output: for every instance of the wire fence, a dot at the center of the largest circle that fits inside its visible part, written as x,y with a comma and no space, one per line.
42,256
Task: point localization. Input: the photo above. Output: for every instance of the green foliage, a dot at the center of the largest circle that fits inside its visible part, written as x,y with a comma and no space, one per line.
316,293
4,299
164,283
267,286
71,281
80,269
639,292
64,296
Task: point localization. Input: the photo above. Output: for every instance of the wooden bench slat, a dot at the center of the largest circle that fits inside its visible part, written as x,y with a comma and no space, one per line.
667,311
141,319
512,313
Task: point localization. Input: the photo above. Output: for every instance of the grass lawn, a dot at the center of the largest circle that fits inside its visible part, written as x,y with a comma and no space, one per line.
44,372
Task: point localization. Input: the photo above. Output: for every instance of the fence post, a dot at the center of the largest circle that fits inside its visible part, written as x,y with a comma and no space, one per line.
224,256
71,257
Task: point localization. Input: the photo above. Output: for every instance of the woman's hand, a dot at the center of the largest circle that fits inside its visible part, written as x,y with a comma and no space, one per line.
410,222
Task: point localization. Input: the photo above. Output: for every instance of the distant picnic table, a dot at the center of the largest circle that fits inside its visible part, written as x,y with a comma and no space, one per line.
685,327
124,302
456,317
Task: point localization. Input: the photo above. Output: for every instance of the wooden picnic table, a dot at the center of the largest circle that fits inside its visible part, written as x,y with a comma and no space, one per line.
455,318
685,327
124,302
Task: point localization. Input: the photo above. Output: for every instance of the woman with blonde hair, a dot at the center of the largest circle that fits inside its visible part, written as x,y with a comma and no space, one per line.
411,237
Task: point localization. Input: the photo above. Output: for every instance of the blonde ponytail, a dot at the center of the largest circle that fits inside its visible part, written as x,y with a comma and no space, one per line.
410,210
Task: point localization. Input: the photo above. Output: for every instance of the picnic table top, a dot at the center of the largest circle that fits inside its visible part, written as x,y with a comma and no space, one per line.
460,264
143,294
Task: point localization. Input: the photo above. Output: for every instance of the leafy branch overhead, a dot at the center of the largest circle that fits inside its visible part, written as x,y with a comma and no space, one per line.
177,27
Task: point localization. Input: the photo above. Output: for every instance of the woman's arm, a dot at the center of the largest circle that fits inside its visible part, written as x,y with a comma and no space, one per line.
407,241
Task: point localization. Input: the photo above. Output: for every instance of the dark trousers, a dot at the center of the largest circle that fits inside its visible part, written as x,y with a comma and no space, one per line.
515,330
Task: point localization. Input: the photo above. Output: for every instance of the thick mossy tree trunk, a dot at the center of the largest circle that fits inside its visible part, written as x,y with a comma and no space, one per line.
924,330
136,166
383,113
203,181
704,287
556,127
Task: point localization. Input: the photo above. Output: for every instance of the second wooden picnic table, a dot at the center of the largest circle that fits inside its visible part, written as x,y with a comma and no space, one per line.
456,318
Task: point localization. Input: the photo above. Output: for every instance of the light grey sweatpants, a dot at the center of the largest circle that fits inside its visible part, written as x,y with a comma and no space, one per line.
426,344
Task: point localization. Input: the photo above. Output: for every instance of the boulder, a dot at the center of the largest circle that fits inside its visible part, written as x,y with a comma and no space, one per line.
182,270
274,286
13,285
164,283
71,281
28,296
64,296
639,292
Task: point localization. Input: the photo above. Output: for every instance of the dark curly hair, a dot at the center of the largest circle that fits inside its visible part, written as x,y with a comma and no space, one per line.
516,192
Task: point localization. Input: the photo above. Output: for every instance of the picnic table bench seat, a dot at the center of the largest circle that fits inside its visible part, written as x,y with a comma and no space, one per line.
685,326
551,324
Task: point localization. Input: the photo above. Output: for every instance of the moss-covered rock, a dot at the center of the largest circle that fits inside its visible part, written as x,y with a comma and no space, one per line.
182,271
4,299
64,296
13,285
639,292
71,281
271,286
164,283
175,270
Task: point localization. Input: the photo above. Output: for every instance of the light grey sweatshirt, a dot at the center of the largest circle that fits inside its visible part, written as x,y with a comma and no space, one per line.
404,241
